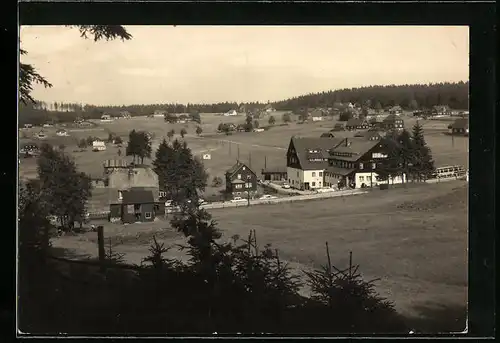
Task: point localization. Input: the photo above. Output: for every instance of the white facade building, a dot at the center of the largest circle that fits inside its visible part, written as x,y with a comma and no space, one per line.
98,146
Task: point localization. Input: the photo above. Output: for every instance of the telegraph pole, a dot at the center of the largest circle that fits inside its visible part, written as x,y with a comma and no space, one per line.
250,160
265,162
238,146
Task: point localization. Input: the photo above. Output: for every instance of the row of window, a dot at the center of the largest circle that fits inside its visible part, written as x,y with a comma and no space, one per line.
247,185
350,165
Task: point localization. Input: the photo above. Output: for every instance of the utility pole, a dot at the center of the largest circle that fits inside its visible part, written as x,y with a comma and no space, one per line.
238,146
265,162
250,160
248,190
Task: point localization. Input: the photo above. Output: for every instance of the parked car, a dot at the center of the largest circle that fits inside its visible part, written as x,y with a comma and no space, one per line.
286,186
267,197
238,199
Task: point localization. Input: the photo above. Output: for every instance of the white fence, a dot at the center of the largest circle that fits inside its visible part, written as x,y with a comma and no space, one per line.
216,205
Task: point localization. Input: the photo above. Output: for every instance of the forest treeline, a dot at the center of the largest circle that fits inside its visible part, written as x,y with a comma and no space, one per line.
455,95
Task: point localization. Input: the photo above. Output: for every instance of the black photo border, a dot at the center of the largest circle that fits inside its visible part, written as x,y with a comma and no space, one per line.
480,17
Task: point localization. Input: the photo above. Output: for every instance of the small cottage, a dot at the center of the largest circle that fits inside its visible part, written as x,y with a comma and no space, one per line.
62,133
240,179
393,122
98,145
338,127
136,205
459,127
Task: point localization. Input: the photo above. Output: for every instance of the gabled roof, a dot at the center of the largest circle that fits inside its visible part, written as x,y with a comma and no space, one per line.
316,113
461,123
236,167
274,170
357,147
356,122
367,134
391,118
137,196
303,145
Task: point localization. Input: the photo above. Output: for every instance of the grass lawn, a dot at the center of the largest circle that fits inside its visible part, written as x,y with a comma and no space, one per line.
413,238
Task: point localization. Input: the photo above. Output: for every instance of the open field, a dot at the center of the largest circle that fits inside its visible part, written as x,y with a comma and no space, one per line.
414,238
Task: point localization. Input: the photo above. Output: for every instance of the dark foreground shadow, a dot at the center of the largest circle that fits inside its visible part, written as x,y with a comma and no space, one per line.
438,319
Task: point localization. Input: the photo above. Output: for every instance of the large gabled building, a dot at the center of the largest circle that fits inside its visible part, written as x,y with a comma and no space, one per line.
307,158
314,163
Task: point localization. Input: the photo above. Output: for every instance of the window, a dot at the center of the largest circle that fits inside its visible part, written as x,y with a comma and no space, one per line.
320,174
313,174
288,180
249,185
239,186
243,168
361,178
319,184
147,215
313,184
361,166
374,165
369,178
137,207
239,176
297,175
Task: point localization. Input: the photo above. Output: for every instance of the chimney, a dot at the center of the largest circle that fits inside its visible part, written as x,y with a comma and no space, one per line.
346,142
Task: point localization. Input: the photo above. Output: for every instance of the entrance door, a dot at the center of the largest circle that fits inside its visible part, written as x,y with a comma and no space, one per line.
306,186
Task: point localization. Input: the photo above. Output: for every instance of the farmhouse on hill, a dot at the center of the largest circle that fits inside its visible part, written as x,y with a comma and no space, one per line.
314,163
459,127
98,145
231,113
106,117
441,110
240,179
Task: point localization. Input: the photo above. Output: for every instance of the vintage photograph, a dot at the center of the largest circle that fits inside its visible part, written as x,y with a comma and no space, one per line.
242,179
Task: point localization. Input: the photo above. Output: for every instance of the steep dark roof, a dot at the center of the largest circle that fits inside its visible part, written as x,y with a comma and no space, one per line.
357,147
237,166
461,123
327,135
367,134
137,196
302,146
355,122
274,170
316,113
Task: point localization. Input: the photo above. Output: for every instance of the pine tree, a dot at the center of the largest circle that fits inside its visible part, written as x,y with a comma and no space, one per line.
424,163
62,186
133,147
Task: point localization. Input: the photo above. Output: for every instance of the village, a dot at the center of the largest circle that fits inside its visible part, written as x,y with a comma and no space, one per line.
343,157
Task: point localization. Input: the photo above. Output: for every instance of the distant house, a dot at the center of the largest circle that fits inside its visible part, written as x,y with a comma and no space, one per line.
231,113
62,133
269,108
338,127
125,115
47,125
274,174
327,135
41,135
207,156
106,117
136,205
393,122
317,115
112,165
397,110
357,124
159,113
98,145
441,110
240,179
459,127
28,126
258,130
29,149
369,135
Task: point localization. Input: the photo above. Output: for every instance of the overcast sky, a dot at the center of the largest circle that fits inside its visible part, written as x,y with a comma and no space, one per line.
164,64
